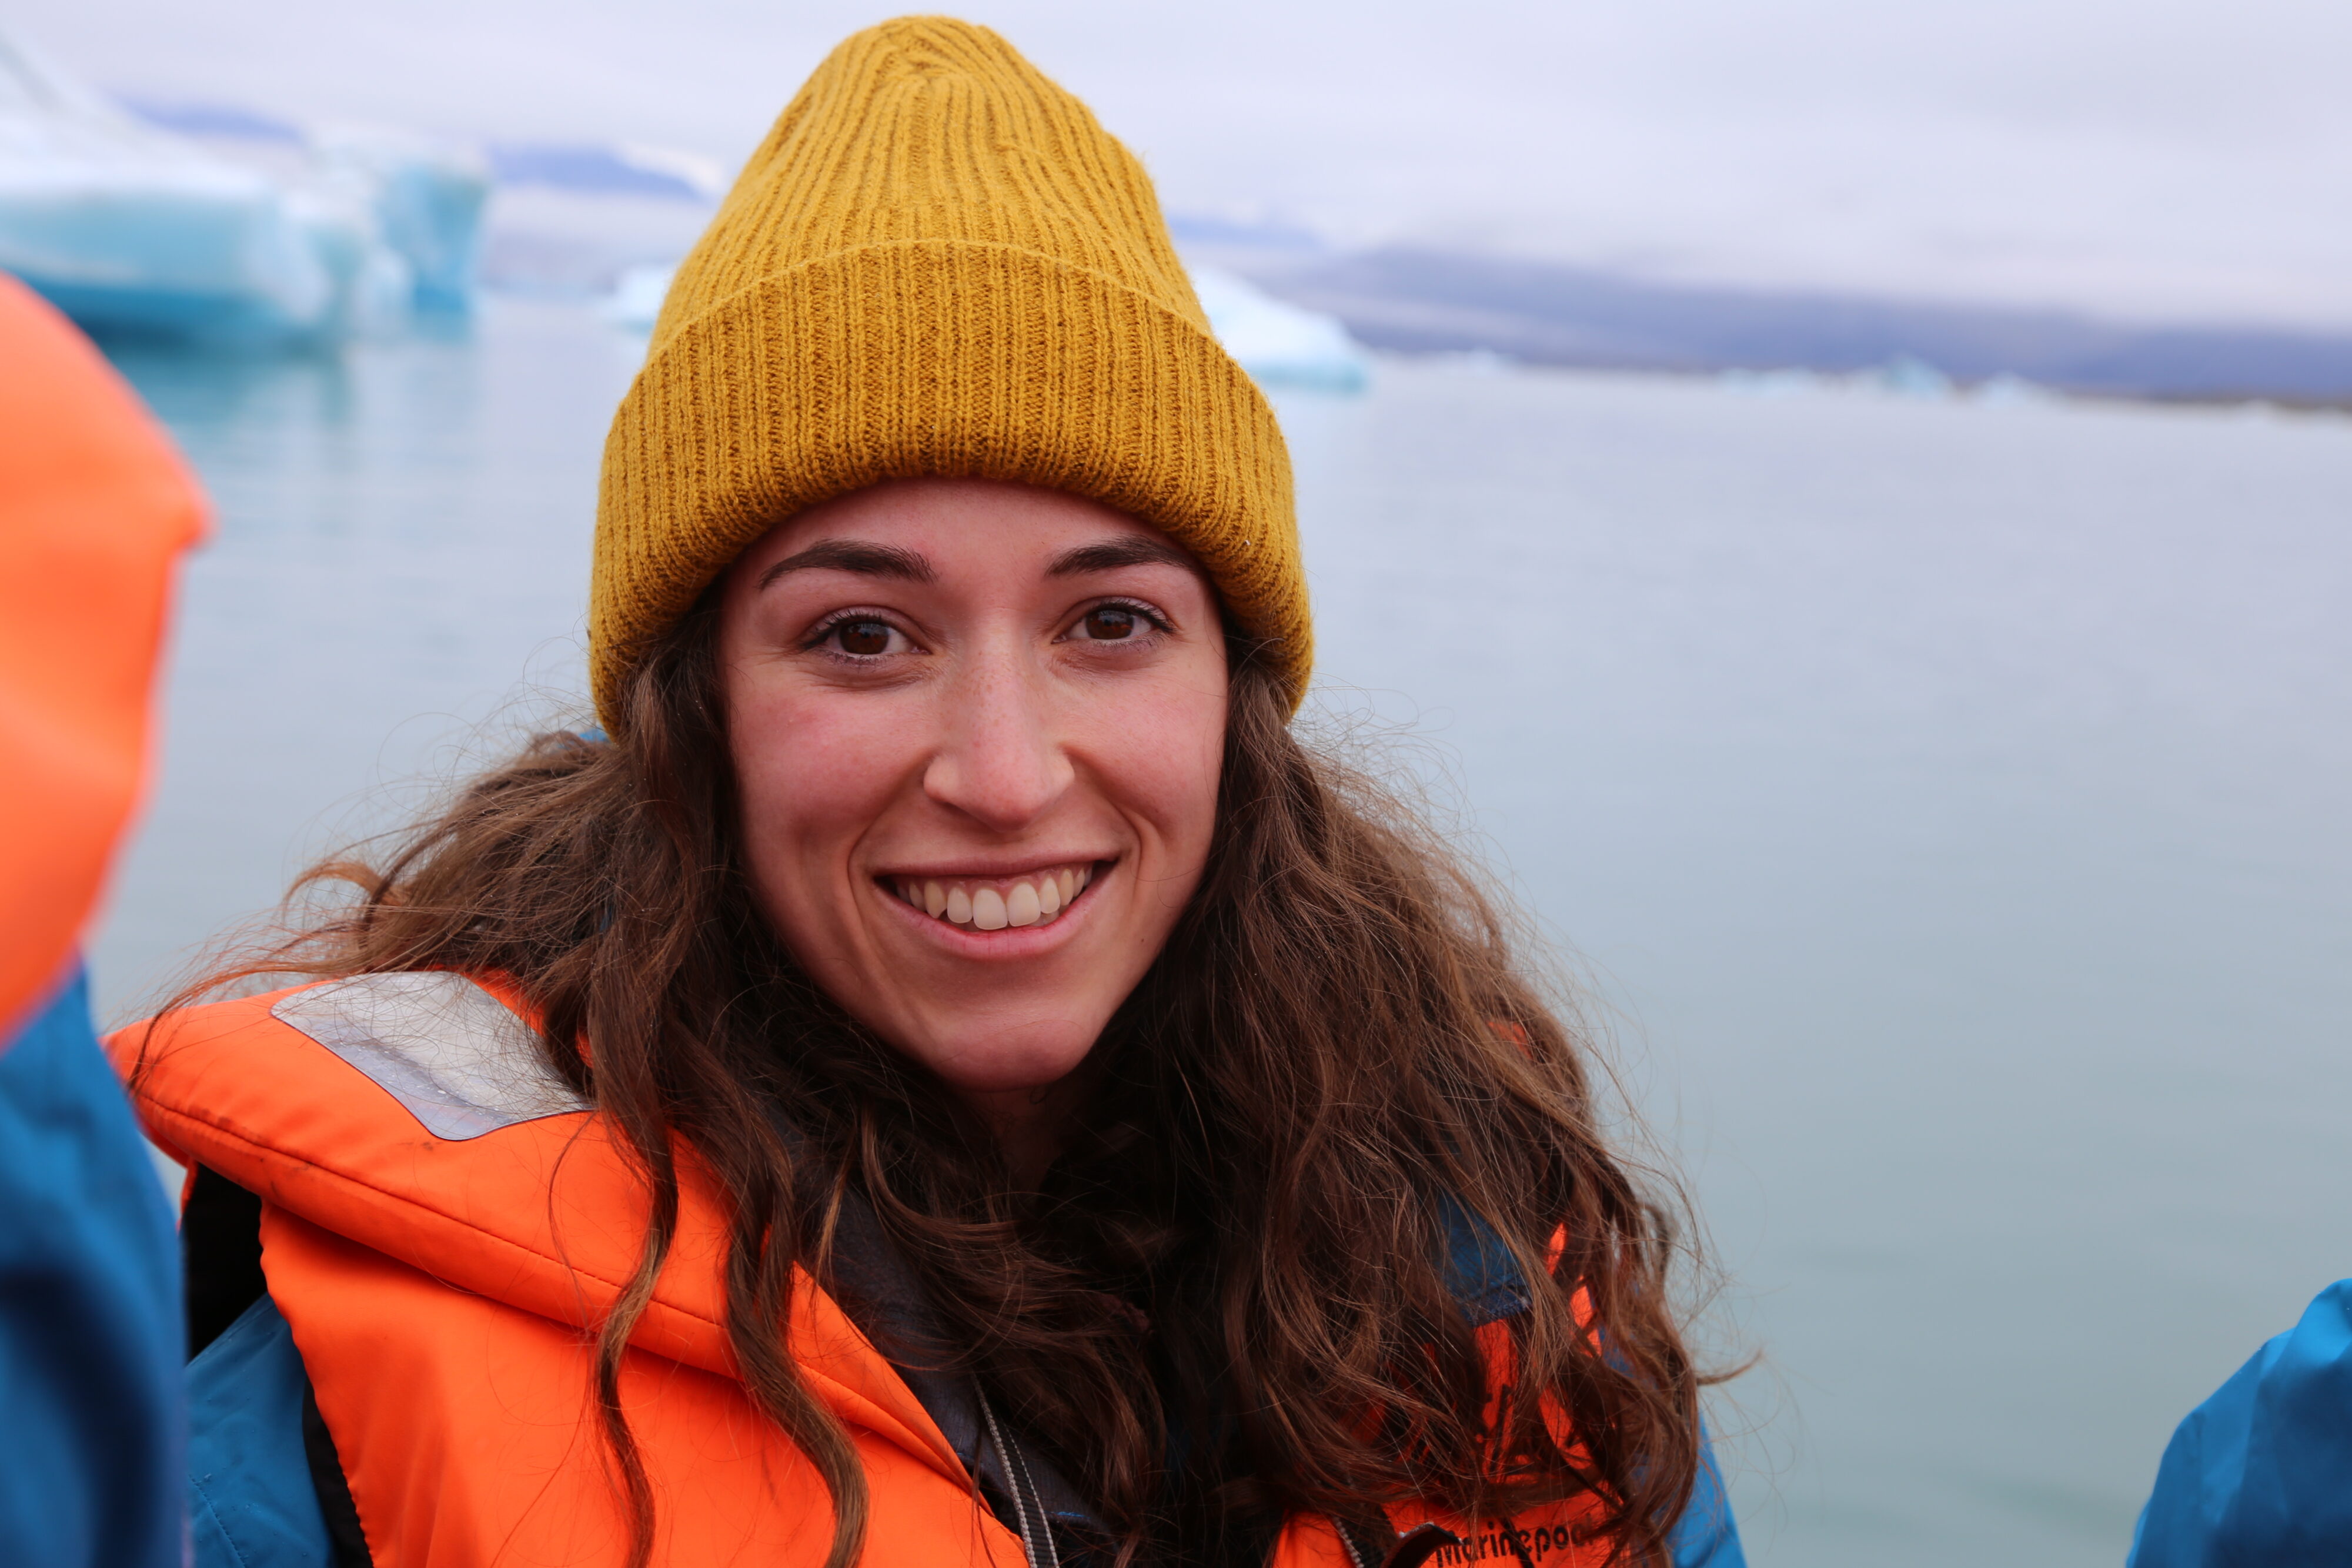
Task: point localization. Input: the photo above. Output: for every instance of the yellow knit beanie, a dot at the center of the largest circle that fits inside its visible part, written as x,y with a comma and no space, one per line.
938,263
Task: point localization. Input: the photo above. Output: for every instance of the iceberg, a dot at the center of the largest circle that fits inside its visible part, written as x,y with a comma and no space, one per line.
427,200
1279,344
128,228
636,299
1908,375
424,198
125,228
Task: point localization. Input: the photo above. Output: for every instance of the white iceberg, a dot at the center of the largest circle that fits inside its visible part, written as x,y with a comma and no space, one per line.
422,199
1279,344
127,227
636,298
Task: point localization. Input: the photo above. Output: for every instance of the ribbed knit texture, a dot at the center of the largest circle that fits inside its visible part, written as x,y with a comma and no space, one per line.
936,262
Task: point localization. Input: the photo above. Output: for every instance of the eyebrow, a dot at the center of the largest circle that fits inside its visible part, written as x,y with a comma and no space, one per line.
858,556
1112,554
909,565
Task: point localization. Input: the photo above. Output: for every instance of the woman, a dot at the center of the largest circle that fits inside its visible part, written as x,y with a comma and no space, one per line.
950,1078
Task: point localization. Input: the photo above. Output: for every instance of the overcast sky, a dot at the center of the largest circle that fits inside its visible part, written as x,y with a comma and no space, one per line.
2182,159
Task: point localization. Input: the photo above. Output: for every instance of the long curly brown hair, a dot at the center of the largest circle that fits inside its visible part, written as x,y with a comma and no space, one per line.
1340,1052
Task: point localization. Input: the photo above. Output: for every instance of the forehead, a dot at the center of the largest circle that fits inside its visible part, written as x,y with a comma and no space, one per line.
960,526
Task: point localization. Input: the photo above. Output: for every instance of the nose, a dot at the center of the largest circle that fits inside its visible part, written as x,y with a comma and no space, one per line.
999,761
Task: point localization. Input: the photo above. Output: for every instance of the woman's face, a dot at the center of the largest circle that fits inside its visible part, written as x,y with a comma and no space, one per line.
977,729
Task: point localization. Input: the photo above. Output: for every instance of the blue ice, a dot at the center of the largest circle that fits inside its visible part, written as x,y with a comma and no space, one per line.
129,227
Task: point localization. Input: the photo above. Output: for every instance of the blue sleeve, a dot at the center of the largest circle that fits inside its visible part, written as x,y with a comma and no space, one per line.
1706,1536
2261,1472
91,1329
250,1495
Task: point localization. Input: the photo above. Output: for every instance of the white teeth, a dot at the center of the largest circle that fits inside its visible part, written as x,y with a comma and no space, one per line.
1037,900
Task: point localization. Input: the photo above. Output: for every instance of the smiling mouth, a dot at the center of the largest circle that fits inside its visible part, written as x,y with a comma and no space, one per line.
992,903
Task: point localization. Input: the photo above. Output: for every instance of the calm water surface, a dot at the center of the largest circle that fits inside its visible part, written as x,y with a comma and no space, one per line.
1945,803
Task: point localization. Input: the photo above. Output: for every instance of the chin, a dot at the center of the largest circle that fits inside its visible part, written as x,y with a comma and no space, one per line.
1010,1063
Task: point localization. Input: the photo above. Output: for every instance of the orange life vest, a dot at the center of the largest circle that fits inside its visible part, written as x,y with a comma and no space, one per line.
443,1217
95,509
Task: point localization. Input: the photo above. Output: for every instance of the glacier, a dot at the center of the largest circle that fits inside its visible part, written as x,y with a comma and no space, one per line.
129,228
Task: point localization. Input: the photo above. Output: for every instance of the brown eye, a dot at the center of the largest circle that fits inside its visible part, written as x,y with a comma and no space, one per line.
865,638
1110,624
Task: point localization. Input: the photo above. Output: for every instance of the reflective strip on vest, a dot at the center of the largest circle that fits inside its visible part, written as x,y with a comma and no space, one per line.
438,1044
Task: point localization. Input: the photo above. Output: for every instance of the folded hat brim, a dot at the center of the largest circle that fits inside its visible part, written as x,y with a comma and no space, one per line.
941,358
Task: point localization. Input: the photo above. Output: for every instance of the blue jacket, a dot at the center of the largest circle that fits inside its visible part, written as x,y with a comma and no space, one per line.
2261,1472
91,1340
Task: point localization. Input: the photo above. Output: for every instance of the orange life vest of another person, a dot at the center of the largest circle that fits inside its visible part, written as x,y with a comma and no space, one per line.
95,509
443,1218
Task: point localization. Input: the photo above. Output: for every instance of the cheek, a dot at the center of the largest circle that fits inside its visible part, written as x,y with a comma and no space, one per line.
1167,757
812,778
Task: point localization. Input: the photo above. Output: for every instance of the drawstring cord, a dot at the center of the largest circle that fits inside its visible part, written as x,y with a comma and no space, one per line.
1037,1544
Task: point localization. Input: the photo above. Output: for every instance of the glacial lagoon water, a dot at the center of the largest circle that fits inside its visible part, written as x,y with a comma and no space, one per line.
1945,803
